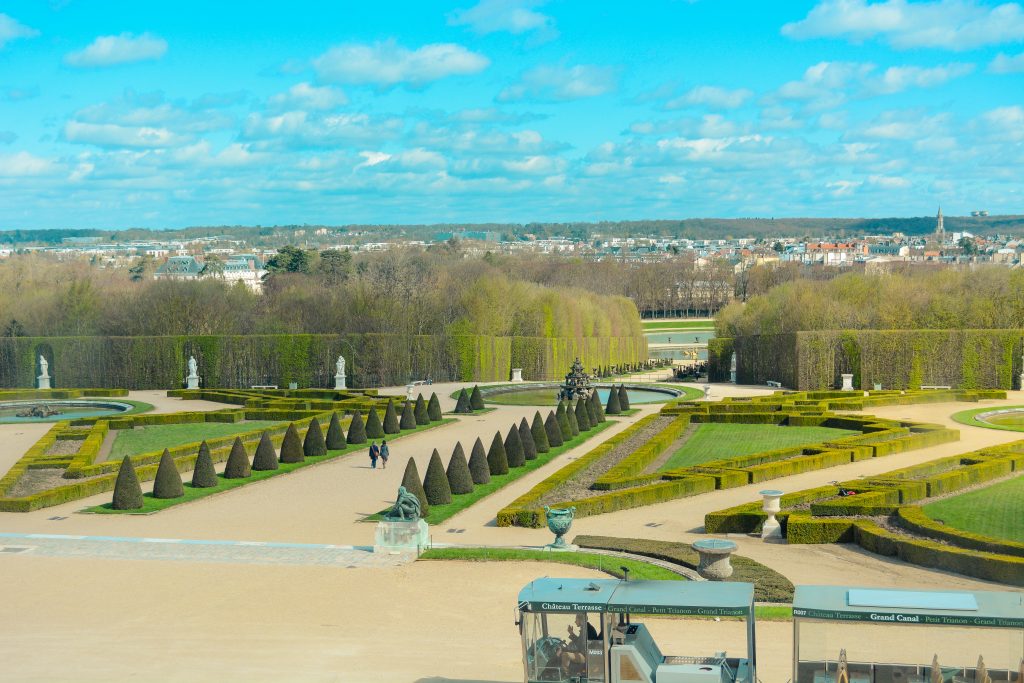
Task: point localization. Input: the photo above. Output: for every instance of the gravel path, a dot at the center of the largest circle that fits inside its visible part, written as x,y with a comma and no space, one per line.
64,447
578,487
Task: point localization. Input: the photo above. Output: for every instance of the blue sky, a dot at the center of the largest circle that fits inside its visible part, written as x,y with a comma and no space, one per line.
117,114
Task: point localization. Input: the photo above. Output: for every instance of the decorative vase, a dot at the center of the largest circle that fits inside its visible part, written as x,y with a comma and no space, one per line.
771,506
559,522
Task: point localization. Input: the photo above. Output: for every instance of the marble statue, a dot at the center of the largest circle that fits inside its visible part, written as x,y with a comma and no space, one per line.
192,381
44,374
406,507
339,378
341,365
192,366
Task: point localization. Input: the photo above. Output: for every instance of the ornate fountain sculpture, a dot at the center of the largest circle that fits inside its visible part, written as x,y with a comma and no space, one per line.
576,385
39,411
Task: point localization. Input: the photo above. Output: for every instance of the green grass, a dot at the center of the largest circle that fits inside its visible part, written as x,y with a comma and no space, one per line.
650,325
157,437
1010,423
439,513
717,440
137,406
602,563
996,511
151,504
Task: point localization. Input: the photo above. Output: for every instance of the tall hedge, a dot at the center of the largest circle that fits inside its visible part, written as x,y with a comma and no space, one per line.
335,434
420,412
411,482
623,397
434,408
356,429
526,438
127,491
374,429
314,446
497,460
168,481
478,466
460,479
408,419
462,406
291,447
476,399
514,448
435,483
391,425
582,417
554,434
204,475
613,407
570,415
237,466
563,421
265,457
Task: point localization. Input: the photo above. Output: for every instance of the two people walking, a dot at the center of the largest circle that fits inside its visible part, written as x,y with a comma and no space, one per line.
379,452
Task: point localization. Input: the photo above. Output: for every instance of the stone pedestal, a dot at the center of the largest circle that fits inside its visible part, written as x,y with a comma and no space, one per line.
771,507
517,374
293,385
43,381
192,382
396,536
714,558
339,382
847,381
410,391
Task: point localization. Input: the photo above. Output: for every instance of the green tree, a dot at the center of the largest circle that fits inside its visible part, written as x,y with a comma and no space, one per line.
582,417
514,448
553,432
595,407
335,434
476,399
314,446
289,259
334,266
434,408
435,483
374,429
421,413
460,480
462,404
391,425
168,481
497,459
408,420
356,429
127,491
623,397
478,466
204,476
411,482
563,422
265,457
614,408
540,435
526,439
213,266
291,447
570,415
237,466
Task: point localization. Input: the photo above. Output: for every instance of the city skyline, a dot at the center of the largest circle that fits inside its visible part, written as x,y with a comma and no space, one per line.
506,111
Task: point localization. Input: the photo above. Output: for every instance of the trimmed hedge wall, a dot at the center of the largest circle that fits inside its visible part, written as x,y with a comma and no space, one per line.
914,519
719,359
307,359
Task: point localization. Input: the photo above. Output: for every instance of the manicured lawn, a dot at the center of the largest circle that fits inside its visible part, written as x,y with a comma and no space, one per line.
1012,422
602,563
151,504
996,510
439,513
157,437
716,440
649,325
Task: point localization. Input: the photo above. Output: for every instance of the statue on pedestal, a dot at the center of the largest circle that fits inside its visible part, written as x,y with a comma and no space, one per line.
406,507
44,374
339,377
192,381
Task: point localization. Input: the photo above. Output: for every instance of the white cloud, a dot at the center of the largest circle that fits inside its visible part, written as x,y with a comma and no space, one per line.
824,84
122,49
388,64
888,182
711,96
899,78
300,129
1006,123
559,83
12,29
949,24
307,96
512,16
114,135
1007,64
21,164
843,188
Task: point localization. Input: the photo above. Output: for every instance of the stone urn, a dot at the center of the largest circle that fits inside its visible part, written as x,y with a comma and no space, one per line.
714,558
771,506
559,522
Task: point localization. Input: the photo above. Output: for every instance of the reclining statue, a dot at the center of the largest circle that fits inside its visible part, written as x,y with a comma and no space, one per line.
406,507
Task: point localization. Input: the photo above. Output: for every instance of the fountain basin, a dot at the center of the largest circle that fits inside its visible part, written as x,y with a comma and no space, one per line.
69,409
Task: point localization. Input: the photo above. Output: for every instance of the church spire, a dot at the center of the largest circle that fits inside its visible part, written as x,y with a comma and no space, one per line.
940,229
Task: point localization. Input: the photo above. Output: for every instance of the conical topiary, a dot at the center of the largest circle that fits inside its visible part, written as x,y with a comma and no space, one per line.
476,399
540,435
204,476
623,397
408,420
168,481
374,429
460,480
462,403
596,408
237,466
420,412
411,482
478,467
391,419
514,448
553,432
265,457
335,434
434,408
613,407
127,491
435,483
497,460
526,439
291,447
570,415
313,446
588,405
563,422
356,430
582,417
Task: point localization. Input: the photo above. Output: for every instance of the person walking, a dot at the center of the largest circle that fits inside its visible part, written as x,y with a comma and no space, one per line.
374,454
384,453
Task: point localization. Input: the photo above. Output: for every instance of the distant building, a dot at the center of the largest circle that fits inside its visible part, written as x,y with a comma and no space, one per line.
245,268
940,229
179,268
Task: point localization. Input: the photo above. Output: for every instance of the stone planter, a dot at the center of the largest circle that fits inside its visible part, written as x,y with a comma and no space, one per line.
771,507
517,374
714,558
559,523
